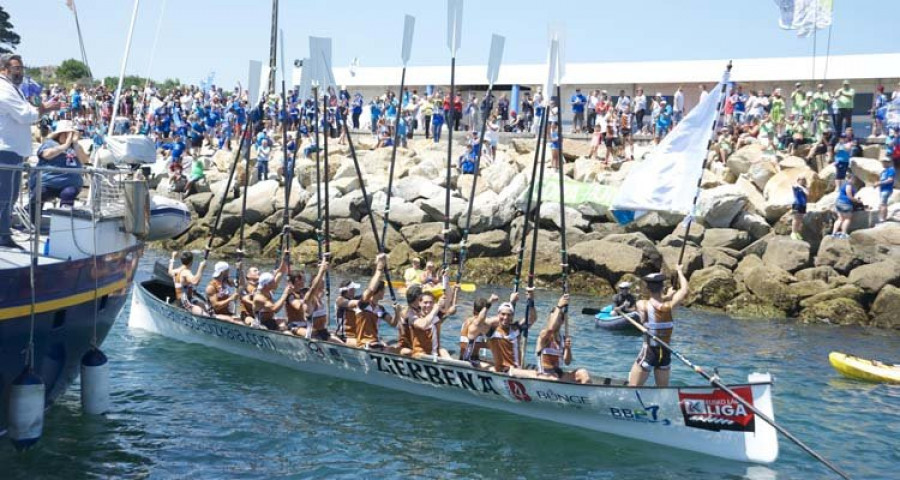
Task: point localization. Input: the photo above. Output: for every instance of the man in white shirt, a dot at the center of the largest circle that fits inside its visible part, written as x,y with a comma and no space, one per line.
16,117
678,105
592,111
703,93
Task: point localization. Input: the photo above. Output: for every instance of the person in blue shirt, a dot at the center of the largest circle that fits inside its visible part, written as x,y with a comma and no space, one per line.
842,151
60,150
845,204
262,160
375,112
663,122
578,101
739,101
467,161
196,133
885,186
176,148
357,107
260,137
294,114
437,123
402,126
798,208
228,124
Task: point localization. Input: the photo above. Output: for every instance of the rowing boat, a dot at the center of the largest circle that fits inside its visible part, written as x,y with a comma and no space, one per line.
864,369
608,320
697,418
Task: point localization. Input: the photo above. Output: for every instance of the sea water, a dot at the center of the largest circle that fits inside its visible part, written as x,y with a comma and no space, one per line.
187,411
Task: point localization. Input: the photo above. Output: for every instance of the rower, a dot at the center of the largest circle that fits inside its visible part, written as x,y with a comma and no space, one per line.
656,314
250,285
623,301
303,301
406,315
504,341
186,282
426,333
221,294
549,351
472,339
264,305
345,313
369,312
413,274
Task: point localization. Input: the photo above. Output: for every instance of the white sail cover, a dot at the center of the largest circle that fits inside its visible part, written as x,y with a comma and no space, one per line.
127,150
667,180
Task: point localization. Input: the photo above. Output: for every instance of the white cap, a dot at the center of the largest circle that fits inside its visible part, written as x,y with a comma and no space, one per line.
266,279
508,306
625,285
220,268
351,286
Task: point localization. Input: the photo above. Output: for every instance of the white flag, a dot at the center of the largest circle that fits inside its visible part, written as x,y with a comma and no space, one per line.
667,180
805,16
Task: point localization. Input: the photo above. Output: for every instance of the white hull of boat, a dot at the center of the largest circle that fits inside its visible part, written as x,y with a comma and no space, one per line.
701,419
168,218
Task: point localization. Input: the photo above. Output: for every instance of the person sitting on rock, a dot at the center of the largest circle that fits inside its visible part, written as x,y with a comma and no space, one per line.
550,350
822,147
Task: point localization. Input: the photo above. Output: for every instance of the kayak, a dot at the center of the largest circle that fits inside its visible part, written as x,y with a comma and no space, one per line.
863,369
608,320
437,291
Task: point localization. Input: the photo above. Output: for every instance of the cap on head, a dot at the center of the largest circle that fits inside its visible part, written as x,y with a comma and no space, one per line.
798,84
624,285
655,278
508,307
220,268
266,279
887,160
846,82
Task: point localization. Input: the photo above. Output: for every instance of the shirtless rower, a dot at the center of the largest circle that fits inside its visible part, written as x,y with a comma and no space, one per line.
221,294
656,314
345,312
299,299
471,338
504,341
265,307
249,285
369,312
550,349
186,282
426,332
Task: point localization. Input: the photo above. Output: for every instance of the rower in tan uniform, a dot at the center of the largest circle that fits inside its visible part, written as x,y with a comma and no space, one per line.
656,314
186,283
221,294
504,341
473,339
265,307
550,349
369,312
426,331
298,300
345,312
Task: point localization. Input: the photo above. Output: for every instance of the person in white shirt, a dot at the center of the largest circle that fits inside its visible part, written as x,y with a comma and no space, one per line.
678,106
592,110
640,109
703,93
16,117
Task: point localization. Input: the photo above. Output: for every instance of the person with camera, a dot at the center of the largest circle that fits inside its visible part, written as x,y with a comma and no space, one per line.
846,203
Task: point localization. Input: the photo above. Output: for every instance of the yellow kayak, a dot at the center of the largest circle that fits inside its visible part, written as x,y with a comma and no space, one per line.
438,292
862,369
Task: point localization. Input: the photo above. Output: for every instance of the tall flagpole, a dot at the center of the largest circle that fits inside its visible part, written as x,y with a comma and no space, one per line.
162,13
112,119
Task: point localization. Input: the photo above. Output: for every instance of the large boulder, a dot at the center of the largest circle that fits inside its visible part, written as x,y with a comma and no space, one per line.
522,145
726,238
551,218
655,225
413,188
787,254
499,175
806,289
838,254
435,207
885,308
885,234
610,260
404,213
770,283
424,235
718,207
298,198
587,169
494,243
465,185
755,225
760,173
692,261
824,273
874,276
844,291
740,161
747,305
756,203
260,202
199,203
723,257
712,287
837,311
866,169
746,265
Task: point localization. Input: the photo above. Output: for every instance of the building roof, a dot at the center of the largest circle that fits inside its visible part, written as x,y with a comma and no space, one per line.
839,67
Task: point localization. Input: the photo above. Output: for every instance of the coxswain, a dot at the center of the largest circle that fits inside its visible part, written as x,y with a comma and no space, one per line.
413,275
656,314
504,339
425,331
345,311
369,312
186,282
473,339
221,294
623,301
549,348
265,307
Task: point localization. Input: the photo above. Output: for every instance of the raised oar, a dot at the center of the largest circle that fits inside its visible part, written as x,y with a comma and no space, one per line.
287,168
563,252
327,212
542,129
315,89
217,222
409,23
454,31
493,70
362,186
714,380
239,271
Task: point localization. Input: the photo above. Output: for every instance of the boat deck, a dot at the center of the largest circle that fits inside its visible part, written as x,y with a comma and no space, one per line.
18,258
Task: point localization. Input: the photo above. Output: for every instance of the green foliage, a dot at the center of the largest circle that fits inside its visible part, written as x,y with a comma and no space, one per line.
71,70
130,80
8,38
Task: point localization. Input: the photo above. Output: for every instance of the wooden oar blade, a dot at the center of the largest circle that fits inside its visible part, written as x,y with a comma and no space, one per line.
552,60
590,311
253,82
409,26
556,31
496,57
454,25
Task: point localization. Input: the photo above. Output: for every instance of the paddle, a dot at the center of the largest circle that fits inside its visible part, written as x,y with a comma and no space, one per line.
454,32
591,311
714,381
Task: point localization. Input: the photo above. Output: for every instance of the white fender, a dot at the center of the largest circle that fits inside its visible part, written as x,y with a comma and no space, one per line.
25,414
94,382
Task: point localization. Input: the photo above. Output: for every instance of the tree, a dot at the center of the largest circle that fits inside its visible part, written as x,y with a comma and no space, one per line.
130,80
71,70
8,38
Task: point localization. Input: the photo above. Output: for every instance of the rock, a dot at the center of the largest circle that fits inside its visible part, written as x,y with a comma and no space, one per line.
746,305
222,160
343,229
837,253
573,150
873,277
718,257
866,169
345,185
199,202
712,287
298,199
746,265
434,208
494,243
758,247
693,259
760,173
551,218
523,145
710,179
827,175
838,311
844,291
403,213
806,289
725,237
885,308
655,225
499,175
609,260
770,283
260,202
755,225
351,205
465,186
792,162
413,188
824,273
717,207
489,212
779,193
424,235
884,234
756,203
872,151
587,169
787,253
740,161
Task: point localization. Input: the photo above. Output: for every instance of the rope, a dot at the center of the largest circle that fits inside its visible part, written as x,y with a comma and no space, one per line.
36,218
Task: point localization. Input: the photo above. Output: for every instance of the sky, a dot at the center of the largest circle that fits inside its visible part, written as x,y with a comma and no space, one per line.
197,37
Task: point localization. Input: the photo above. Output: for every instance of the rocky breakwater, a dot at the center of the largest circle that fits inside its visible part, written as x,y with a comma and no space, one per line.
737,254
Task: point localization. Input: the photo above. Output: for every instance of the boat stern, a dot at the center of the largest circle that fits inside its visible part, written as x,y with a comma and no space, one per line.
762,442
